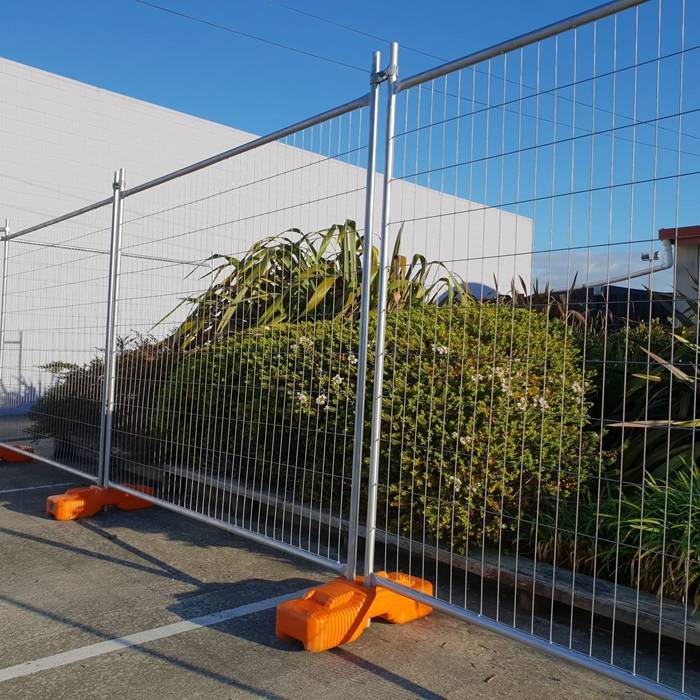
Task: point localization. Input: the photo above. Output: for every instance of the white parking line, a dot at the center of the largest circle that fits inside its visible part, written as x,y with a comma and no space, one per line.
132,640
34,488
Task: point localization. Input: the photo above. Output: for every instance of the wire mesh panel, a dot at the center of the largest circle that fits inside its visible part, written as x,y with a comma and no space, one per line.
536,456
237,325
53,332
532,430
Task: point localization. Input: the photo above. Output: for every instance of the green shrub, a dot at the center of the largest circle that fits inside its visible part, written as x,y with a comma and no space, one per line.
661,528
484,415
646,376
646,536
71,410
295,277
290,277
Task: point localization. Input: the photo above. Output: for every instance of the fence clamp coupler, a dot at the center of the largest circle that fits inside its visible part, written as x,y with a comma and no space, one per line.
382,75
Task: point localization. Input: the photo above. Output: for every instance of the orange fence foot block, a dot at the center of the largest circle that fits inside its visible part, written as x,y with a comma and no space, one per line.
86,501
11,456
340,611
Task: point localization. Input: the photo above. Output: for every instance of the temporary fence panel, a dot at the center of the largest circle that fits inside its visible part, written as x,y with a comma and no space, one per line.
534,423
236,350
52,327
525,320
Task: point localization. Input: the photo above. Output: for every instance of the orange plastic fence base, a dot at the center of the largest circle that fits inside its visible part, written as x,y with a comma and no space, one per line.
10,456
340,611
86,501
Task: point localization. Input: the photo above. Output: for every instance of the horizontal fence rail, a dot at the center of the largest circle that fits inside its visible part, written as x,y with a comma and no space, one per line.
355,104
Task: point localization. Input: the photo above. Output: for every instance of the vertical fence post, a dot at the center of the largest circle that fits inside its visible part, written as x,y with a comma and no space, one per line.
358,445
3,291
110,331
372,491
20,358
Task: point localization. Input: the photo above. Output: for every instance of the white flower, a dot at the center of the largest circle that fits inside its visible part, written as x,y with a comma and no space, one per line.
522,403
303,398
352,359
321,399
542,402
577,388
337,381
440,349
465,441
455,435
304,343
456,481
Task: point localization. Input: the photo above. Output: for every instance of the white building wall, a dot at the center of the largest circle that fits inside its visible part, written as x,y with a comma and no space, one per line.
60,141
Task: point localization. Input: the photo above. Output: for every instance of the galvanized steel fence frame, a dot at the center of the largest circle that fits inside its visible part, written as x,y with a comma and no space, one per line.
444,556
356,528
121,195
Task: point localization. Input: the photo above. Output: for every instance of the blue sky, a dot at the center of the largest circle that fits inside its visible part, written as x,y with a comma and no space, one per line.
139,51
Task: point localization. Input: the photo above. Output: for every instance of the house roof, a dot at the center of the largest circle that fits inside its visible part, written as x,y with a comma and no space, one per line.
682,235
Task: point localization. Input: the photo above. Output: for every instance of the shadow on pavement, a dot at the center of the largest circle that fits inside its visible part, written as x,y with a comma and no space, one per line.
206,598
